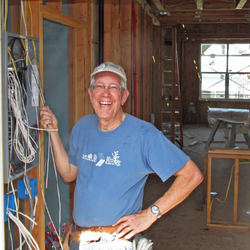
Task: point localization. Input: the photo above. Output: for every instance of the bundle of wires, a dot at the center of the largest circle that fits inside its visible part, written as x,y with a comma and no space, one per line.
24,145
22,142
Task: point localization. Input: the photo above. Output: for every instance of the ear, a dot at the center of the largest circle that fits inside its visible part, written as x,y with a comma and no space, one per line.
90,91
125,96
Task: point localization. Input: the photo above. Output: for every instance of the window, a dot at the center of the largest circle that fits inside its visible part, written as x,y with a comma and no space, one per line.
225,72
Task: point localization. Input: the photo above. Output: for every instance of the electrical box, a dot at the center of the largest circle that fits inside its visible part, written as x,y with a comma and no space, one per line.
22,191
20,87
9,202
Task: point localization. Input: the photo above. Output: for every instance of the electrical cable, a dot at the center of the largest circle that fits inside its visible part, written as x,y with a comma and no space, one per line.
15,100
5,14
21,134
29,240
51,218
228,187
58,191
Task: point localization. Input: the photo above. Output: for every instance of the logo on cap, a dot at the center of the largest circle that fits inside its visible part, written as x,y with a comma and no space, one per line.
100,67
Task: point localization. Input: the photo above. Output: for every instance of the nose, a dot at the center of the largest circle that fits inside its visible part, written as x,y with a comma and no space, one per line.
106,90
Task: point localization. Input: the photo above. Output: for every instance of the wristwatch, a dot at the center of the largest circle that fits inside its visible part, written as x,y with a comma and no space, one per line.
156,211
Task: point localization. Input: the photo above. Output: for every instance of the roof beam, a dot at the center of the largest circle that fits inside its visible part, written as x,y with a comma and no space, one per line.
148,9
199,4
201,15
240,4
158,5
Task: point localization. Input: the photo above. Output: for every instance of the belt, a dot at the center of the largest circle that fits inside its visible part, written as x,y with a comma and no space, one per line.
94,233
103,229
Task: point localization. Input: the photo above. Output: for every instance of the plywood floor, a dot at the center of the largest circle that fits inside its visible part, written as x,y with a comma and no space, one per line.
184,227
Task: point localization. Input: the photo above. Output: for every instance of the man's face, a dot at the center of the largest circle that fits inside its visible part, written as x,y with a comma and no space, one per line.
108,103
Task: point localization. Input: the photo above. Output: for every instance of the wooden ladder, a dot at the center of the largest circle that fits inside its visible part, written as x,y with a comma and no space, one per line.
171,95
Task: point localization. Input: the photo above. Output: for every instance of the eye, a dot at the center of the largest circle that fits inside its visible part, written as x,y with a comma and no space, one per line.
114,87
99,86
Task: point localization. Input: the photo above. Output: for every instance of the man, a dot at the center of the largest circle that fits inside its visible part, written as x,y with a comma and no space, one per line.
110,154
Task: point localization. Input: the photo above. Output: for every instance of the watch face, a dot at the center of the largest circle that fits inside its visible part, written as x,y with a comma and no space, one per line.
155,209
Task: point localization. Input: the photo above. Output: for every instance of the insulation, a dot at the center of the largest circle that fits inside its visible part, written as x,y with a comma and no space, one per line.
241,115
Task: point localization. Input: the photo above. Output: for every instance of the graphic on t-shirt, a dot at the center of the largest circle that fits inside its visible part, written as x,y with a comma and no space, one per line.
114,160
90,157
102,160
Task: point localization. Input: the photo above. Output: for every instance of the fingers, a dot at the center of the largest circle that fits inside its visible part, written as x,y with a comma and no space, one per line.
47,118
125,231
130,225
127,227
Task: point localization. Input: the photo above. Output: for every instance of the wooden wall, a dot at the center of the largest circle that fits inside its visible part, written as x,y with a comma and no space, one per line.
189,51
130,46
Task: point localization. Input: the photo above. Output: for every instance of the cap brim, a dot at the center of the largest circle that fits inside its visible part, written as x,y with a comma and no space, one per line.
109,70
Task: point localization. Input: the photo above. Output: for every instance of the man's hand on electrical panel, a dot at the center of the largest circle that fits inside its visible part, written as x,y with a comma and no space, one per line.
47,118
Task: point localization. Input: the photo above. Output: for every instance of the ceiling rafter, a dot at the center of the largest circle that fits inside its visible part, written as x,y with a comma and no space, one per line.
240,4
199,4
148,9
235,14
199,11
158,5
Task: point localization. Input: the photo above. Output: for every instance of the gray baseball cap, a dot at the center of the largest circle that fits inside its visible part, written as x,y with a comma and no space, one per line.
111,67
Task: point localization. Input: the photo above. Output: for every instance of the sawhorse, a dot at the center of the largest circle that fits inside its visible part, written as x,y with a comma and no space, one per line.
237,128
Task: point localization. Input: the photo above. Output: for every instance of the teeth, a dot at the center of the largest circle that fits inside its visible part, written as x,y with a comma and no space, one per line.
105,103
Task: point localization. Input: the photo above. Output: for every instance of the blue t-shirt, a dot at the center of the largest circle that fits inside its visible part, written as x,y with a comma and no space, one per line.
113,167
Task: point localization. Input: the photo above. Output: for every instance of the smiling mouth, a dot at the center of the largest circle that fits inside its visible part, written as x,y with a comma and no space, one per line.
105,103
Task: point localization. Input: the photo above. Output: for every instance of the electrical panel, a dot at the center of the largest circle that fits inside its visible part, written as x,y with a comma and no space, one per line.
21,88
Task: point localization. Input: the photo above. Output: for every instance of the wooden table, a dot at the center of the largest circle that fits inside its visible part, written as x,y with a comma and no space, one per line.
237,128
223,153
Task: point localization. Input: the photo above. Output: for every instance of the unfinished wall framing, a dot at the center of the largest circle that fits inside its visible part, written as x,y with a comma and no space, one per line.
127,41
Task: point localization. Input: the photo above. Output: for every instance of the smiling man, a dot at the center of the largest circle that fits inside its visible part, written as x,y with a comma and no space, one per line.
111,154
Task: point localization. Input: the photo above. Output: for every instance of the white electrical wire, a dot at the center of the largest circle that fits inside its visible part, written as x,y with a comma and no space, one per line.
55,171
57,188
29,240
51,218
23,128
16,102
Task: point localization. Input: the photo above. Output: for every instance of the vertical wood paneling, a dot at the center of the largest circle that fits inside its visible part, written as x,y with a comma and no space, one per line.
93,29
15,16
126,46
139,58
115,32
38,172
107,32
112,31
82,60
88,52
147,68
